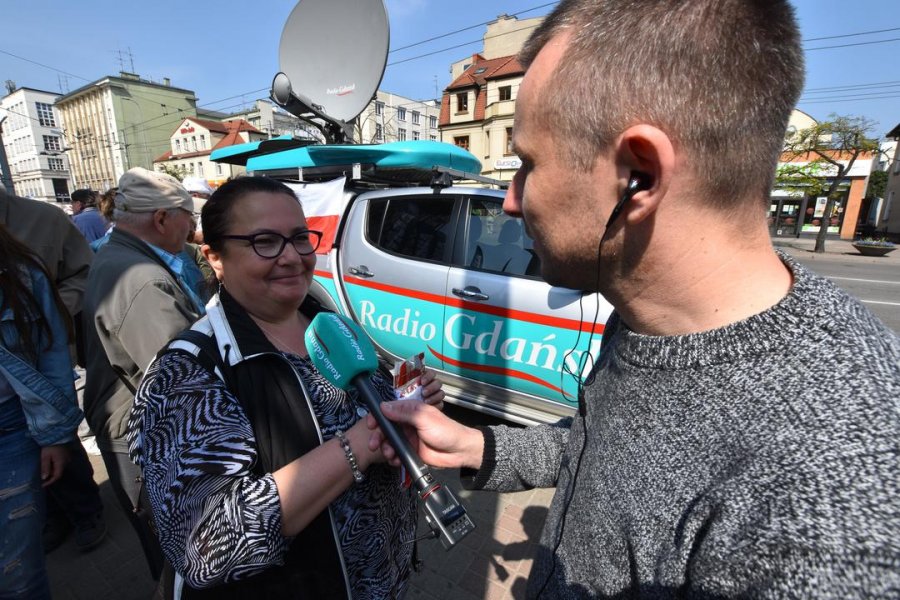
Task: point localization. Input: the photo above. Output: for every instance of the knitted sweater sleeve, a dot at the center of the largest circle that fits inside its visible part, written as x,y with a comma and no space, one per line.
518,459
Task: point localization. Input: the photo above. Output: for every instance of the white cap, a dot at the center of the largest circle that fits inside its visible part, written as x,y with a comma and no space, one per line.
197,185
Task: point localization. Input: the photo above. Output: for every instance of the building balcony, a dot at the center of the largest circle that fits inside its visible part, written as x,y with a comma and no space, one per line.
505,108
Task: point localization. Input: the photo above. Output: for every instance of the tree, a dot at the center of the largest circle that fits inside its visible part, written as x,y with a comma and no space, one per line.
825,152
179,172
877,184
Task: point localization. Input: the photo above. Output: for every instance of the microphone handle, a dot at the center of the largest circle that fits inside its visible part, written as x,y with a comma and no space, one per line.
417,469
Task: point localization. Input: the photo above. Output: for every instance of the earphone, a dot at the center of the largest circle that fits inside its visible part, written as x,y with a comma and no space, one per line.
637,182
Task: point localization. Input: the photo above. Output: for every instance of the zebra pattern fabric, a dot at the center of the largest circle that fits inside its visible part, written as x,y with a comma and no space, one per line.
218,522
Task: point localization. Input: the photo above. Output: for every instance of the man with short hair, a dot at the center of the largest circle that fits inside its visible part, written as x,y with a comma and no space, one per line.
135,303
86,215
738,436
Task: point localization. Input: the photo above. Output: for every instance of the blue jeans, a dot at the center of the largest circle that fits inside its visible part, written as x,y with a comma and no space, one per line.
23,570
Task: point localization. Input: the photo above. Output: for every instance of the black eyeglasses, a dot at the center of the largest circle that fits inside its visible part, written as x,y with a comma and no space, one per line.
269,244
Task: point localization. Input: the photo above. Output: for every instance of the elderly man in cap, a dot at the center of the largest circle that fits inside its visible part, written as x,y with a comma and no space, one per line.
135,303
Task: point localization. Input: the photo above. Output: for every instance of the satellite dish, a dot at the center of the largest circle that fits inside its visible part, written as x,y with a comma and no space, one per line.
332,57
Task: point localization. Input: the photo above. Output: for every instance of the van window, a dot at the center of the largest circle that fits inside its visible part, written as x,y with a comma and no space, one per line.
413,227
497,242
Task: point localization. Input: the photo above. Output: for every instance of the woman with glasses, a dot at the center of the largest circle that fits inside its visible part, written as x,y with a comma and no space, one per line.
258,471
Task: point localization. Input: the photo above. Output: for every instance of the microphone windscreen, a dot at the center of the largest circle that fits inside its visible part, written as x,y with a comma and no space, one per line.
339,349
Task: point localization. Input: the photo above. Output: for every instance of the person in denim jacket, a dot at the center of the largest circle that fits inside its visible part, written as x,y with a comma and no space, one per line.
39,413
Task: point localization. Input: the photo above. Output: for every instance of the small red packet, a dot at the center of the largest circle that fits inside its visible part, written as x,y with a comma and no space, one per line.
406,377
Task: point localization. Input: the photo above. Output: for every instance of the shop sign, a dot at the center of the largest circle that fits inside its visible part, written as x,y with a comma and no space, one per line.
508,162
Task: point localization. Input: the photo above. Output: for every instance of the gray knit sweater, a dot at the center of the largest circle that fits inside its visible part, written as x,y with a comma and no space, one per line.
756,460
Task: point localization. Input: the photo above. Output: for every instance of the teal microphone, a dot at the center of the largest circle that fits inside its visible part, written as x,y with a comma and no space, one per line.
343,354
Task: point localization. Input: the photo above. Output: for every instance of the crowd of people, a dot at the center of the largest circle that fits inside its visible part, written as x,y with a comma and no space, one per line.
709,457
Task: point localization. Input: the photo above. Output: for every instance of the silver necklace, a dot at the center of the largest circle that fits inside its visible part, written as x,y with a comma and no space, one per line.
278,341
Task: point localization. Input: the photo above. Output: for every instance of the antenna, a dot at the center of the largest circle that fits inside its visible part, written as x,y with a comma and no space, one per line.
10,86
130,59
332,57
63,81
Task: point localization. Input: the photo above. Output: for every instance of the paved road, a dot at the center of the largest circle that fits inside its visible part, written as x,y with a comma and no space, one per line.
874,280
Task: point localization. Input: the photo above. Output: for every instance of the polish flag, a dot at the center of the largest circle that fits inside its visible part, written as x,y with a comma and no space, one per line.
323,204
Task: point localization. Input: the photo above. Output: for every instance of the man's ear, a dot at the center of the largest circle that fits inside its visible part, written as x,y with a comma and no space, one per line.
214,259
160,218
648,150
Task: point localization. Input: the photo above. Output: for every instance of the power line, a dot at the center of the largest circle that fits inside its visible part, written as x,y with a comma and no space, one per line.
833,37
861,85
849,45
443,35
849,99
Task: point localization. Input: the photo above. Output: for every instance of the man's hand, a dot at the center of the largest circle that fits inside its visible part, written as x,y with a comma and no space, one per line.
432,389
53,460
437,439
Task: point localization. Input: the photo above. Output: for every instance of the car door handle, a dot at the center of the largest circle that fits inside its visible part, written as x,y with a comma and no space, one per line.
470,293
361,271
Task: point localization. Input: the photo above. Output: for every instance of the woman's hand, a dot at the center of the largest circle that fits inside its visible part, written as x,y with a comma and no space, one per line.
358,438
437,439
432,389
53,460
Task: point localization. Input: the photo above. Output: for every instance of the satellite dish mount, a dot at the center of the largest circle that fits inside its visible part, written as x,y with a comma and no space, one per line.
336,71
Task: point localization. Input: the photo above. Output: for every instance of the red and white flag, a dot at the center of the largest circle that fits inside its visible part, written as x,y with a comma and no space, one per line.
323,204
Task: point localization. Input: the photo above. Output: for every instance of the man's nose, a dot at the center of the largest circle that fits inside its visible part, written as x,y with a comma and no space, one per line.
512,203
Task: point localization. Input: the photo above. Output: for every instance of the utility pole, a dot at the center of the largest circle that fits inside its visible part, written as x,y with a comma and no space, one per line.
4,165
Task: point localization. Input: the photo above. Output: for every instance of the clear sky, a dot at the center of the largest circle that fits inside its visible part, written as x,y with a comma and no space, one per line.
227,50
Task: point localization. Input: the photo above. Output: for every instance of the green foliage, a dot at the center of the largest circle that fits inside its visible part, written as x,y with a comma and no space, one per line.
877,184
830,149
178,173
877,242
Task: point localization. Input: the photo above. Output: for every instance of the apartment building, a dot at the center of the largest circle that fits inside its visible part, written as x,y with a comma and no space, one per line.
478,107
194,139
392,118
36,149
274,121
120,122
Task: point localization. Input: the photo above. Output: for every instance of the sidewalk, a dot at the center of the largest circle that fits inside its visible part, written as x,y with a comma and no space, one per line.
491,563
832,247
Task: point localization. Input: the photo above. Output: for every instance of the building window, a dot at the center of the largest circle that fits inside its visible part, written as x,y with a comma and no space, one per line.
462,141
432,137
401,114
401,134
509,145
194,143
191,168
200,169
45,114
415,135
505,92
432,122
218,168
415,117
51,142
487,144
177,146
379,134
202,142
462,102
379,108
56,164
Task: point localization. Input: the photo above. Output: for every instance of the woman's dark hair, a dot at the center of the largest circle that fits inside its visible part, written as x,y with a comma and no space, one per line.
216,214
19,298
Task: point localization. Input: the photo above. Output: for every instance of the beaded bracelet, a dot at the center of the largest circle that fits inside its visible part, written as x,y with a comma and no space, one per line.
351,458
